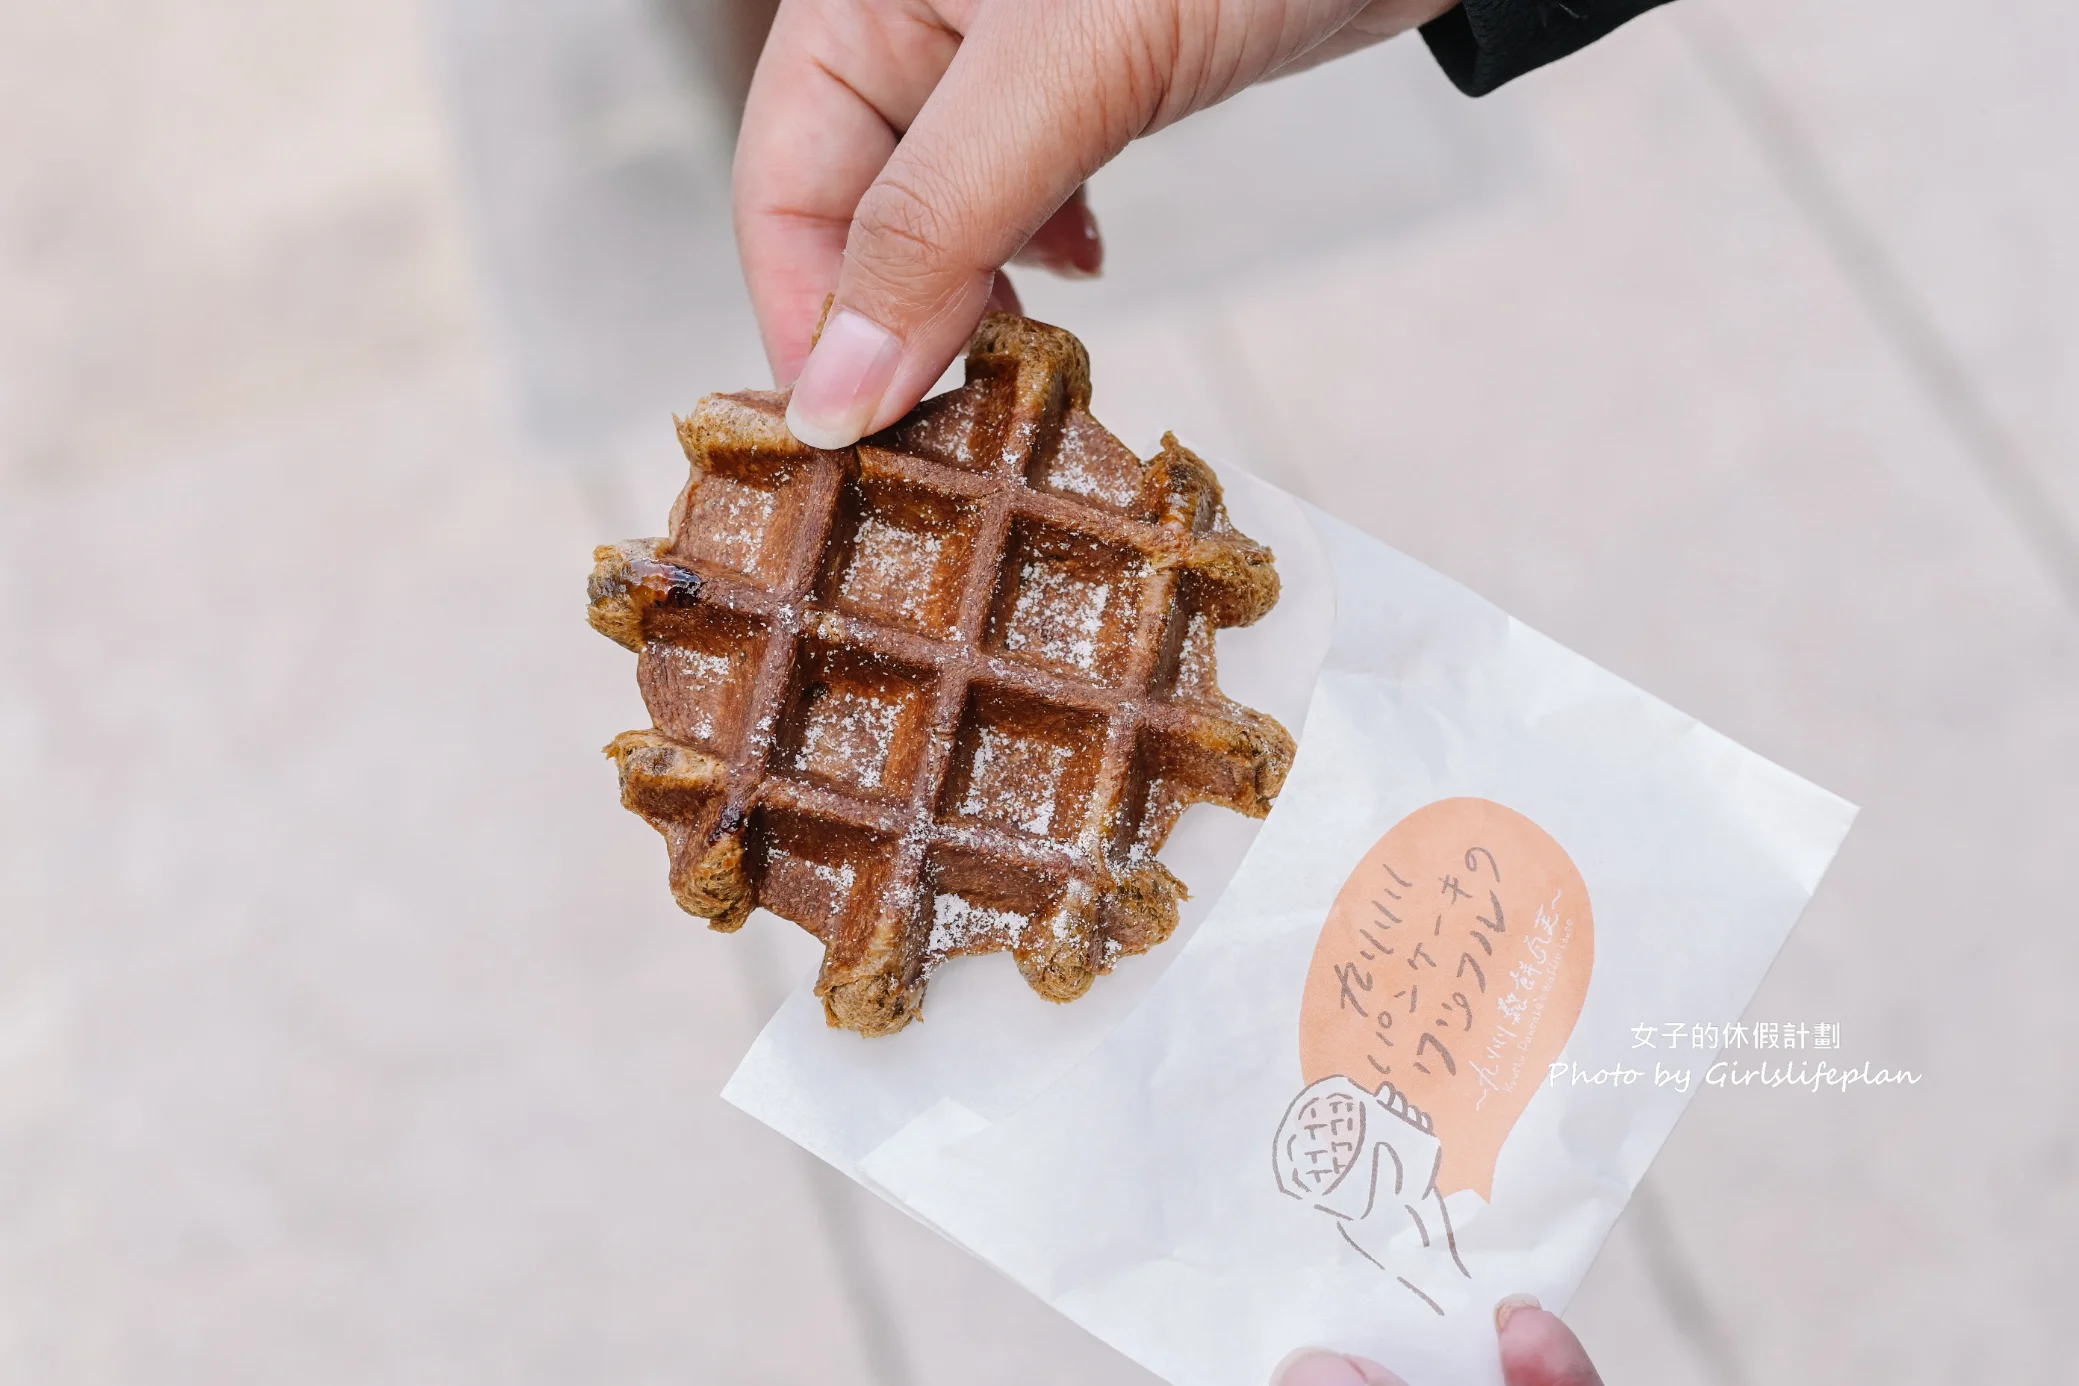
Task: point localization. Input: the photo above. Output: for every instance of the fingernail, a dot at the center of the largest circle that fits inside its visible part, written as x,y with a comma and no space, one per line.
1066,269
1319,1367
1088,255
1064,262
1077,255
1375,1374
842,381
1509,1305
1003,295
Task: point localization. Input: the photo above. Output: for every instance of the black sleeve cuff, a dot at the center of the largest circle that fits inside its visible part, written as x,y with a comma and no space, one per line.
1484,43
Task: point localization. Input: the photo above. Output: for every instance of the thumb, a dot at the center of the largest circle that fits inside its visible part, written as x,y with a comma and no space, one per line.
1037,98
1537,1349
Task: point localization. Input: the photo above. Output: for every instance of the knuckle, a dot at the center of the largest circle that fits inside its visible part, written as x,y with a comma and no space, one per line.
903,236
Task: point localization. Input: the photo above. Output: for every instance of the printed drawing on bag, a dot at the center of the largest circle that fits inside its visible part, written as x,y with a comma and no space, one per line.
1449,972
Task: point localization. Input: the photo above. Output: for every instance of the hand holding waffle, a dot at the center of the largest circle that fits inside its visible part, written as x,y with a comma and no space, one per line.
897,153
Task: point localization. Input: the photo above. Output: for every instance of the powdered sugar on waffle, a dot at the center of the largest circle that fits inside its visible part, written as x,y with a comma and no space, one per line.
1010,784
1076,468
1058,615
734,520
886,563
705,673
849,736
839,880
958,923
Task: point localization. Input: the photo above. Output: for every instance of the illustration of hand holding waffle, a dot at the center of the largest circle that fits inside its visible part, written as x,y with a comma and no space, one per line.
1369,1161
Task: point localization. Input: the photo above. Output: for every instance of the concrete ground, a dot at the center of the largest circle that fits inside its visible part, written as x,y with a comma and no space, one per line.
346,1031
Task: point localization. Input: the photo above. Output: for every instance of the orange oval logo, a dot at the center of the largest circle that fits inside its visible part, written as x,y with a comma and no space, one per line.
1451,969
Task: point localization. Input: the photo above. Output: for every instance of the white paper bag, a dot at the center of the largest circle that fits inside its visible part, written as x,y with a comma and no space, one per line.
1353,1103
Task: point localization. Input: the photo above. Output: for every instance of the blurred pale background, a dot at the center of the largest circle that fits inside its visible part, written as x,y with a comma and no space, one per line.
347,1033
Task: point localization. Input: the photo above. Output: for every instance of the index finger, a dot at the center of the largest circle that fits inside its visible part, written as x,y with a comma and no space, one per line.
836,85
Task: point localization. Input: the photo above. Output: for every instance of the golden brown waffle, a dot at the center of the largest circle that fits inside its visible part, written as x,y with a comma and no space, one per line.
944,692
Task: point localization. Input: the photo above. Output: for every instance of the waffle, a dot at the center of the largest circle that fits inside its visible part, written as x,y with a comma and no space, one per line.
944,692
